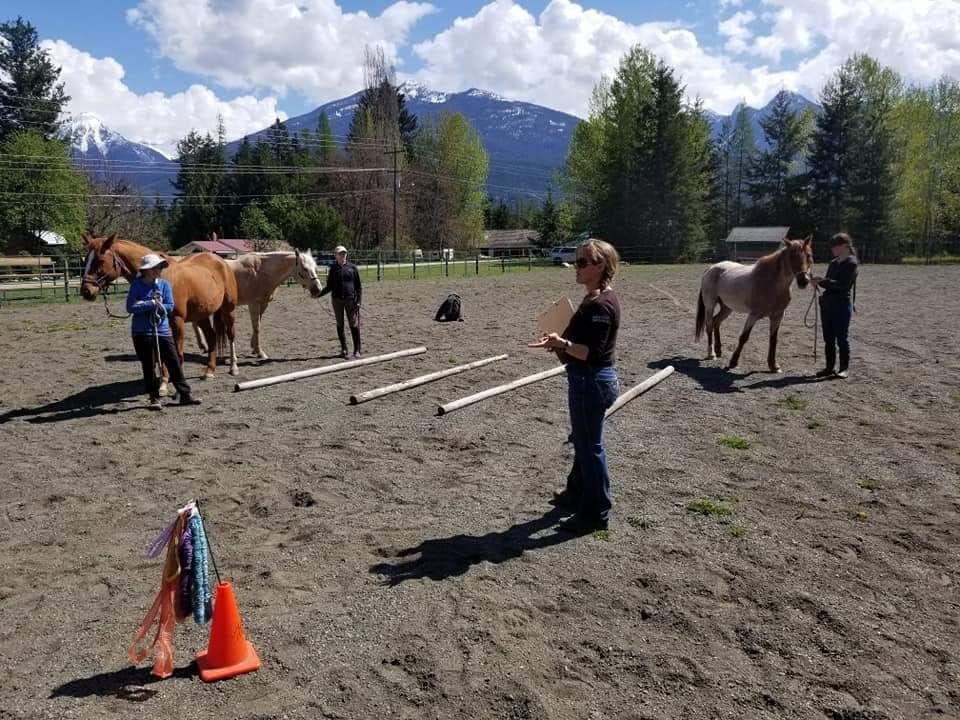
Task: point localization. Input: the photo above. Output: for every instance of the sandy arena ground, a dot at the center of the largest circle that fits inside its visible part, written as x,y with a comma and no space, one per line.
392,564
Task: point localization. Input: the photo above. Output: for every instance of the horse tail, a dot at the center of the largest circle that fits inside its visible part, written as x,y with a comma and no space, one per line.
220,333
701,314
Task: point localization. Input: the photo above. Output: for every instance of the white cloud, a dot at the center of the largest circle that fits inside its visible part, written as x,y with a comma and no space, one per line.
311,47
735,29
918,38
96,86
557,58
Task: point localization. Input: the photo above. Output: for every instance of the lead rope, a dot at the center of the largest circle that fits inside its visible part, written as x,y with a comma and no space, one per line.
816,319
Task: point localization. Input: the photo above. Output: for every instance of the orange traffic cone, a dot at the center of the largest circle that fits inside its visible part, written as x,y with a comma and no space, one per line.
229,653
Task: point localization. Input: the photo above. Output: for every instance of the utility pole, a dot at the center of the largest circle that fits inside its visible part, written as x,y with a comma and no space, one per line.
396,185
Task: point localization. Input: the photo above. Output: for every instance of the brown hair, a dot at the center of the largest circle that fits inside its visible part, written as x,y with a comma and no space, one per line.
843,239
603,252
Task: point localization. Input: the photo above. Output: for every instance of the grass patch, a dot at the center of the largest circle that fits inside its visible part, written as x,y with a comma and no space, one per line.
868,484
738,532
603,535
888,407
707,507
814,424
858,515
794,402
639,523
736,442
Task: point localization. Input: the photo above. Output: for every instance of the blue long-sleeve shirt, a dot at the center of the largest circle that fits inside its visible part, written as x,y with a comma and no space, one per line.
146,313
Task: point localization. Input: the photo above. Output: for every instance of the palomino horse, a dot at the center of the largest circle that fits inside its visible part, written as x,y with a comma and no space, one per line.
258,277
203,286
760,290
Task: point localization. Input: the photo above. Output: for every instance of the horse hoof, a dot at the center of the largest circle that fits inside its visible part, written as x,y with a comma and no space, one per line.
776,369
208,375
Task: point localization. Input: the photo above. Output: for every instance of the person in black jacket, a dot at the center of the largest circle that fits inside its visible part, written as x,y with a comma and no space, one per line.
836,307
343,282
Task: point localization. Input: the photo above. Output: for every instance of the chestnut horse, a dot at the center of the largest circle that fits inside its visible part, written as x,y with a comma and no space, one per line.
203,286
760,290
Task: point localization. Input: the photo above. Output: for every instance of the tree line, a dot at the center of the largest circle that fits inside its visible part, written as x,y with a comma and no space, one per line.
881,160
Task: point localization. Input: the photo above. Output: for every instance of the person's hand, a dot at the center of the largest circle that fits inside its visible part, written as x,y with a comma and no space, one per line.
551,341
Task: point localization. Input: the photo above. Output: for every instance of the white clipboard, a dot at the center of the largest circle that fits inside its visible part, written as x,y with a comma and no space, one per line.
556,318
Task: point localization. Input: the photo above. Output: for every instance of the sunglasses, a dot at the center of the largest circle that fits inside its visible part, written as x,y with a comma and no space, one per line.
583,262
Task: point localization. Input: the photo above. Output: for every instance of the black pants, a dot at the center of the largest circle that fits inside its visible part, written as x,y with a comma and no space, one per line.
349,308
146,347
836,314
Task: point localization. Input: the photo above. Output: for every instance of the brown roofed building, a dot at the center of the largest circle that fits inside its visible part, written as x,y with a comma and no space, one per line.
507,243
752,243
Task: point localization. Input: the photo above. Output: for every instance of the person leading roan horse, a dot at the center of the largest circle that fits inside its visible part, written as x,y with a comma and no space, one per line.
760,290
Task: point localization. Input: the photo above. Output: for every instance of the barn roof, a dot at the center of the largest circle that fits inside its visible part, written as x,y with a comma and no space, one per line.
505,239
757,234
222,245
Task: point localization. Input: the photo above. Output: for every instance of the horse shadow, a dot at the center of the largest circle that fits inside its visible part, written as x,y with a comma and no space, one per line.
443,558
721,380
130,684
86,403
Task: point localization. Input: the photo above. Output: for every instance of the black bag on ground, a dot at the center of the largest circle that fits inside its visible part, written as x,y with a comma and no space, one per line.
450,309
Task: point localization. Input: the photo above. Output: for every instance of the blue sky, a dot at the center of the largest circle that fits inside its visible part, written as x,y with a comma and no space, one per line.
152,69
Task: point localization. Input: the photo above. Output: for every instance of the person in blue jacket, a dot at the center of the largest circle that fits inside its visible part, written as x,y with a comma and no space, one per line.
150,301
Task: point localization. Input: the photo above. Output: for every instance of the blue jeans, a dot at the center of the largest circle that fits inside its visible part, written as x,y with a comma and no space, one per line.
836,316
591,392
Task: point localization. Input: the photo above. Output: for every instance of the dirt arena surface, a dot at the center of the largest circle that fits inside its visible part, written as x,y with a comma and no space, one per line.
392,564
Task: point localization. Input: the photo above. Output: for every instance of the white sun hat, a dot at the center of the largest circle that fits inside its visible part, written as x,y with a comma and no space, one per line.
151,261
339,249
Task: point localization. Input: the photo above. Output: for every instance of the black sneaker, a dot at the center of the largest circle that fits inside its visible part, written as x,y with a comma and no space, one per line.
189,400
826,372
582,526
344,354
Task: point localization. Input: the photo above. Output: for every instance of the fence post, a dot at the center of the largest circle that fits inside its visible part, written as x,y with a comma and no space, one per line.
66,279
529,263
378,266
414,266
478,262
503,263
446,265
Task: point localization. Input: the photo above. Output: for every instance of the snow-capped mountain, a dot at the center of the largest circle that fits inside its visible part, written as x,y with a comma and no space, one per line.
526,143
107,155
798,103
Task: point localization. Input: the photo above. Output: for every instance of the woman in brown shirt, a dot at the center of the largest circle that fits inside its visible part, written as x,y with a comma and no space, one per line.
587,347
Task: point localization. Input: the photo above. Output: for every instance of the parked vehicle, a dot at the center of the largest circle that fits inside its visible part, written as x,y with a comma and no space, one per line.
565,254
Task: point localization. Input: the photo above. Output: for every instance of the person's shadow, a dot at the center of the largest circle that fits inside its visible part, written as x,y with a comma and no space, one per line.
130,684
443,558
86,403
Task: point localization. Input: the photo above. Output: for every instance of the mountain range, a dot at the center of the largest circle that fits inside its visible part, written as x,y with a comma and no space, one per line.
526,143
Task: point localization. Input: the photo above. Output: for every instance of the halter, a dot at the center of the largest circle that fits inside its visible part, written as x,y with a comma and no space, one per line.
103,280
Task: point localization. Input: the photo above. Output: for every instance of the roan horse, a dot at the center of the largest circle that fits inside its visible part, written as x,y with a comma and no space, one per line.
258,276
204,288
760,290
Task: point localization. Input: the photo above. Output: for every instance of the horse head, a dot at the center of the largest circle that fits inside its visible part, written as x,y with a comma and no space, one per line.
799,255
103,265
306,271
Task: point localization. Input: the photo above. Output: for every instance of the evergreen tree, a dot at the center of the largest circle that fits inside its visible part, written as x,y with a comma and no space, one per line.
872,174
326,148
775,186
639,170
549,224
831,154
744,151
199,198
30,96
